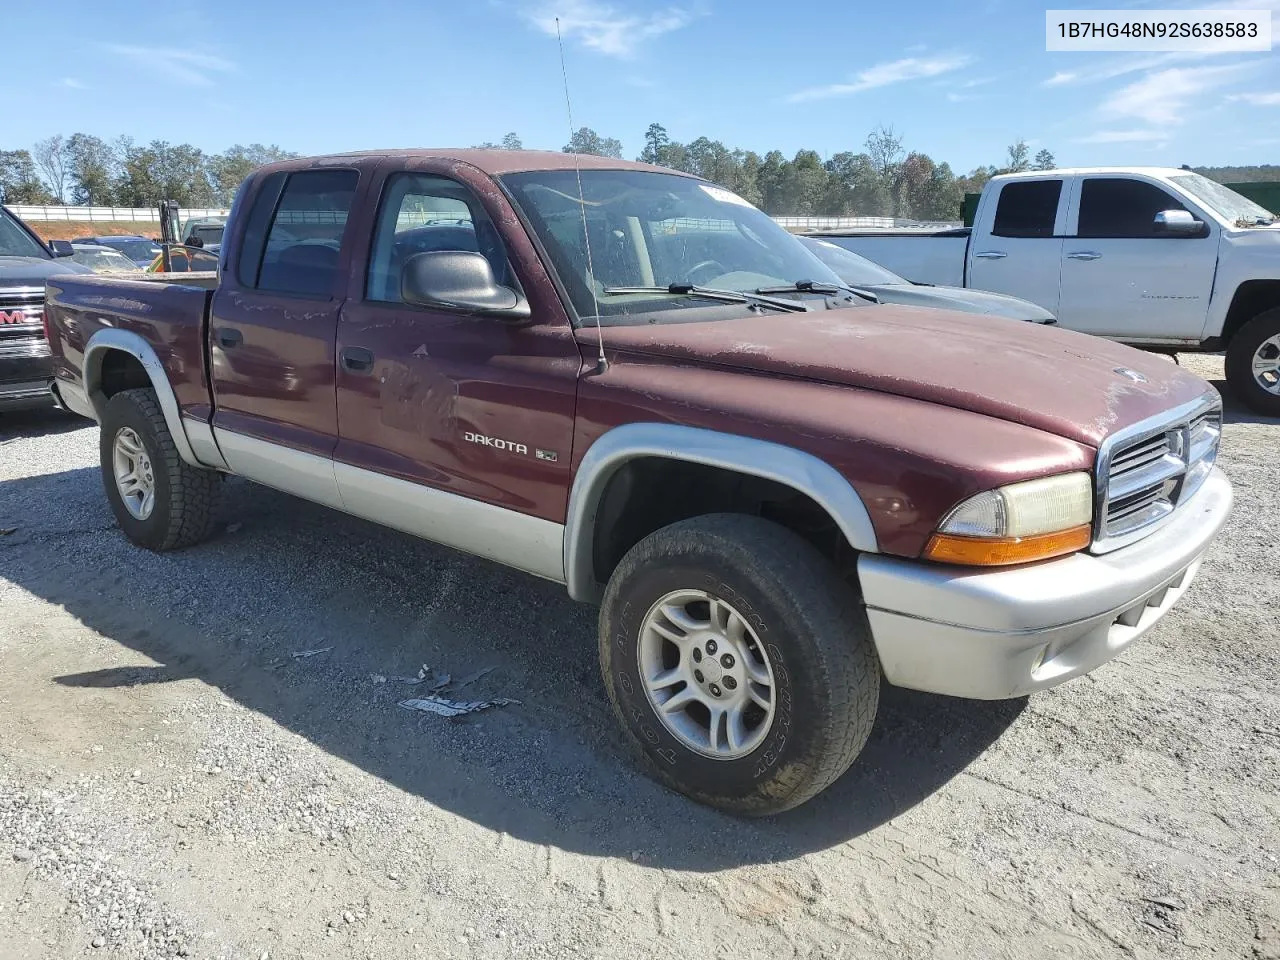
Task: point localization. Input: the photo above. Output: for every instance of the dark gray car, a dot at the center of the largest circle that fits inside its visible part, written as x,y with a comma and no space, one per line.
888,287
26,264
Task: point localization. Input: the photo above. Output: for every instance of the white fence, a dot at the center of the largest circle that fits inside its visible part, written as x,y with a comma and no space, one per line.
104,214
35,212
834,223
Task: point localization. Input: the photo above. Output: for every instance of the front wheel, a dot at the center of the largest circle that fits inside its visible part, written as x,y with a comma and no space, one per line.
1253,363
739,661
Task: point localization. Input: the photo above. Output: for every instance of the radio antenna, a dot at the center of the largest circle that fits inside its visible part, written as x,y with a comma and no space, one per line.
601,363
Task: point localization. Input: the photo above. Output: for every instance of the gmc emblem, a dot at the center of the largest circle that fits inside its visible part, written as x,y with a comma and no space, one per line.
15,316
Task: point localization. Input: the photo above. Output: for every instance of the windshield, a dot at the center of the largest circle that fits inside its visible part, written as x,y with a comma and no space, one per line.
654,230
15,241
133,249
1222,200
207,234
852,269
103,259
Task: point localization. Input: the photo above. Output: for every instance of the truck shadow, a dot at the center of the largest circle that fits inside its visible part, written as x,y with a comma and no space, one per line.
1233,411
554,770
39,423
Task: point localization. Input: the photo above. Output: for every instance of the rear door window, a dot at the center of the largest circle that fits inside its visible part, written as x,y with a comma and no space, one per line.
1027,208
301,248
1116,207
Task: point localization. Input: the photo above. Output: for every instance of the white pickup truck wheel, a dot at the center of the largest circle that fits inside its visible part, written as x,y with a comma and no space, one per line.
160,501
740,663
1253,363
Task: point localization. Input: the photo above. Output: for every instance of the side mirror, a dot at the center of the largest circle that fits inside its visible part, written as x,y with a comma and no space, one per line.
459,280
61,248
1179,223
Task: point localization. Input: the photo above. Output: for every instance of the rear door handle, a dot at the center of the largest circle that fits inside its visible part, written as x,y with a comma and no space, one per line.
991,255
228,337
1084,255
356,359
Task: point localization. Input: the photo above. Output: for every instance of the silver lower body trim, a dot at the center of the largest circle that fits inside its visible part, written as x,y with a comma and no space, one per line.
994,634
74,399
203,444
283,468
515,539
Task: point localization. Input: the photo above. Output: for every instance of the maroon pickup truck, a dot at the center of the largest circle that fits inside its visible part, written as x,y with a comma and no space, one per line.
633,382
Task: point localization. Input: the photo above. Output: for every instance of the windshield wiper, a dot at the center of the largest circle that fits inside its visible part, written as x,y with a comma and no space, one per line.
820,286
713,293
1255,221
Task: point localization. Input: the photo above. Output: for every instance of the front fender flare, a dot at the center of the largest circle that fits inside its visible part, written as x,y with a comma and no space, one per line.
125,341
794,468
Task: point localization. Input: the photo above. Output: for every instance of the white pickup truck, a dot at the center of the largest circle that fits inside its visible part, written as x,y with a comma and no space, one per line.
1155,257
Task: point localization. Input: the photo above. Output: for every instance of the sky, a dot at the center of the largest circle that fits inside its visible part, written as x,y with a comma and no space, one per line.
959,80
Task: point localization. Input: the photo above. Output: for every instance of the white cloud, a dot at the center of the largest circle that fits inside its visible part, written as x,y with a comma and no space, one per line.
190,67
71,83
884,74
1061,77
1259,99
1164,96
1125,136
605,28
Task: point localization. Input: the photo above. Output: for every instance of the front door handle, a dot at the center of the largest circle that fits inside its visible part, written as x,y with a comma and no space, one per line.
991,255
1084,255
228,337
356,359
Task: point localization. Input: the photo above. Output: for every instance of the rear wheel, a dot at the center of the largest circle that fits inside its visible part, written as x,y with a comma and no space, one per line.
1253,363
160,501
739,661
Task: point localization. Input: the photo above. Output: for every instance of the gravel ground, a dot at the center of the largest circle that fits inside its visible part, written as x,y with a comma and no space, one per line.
174,782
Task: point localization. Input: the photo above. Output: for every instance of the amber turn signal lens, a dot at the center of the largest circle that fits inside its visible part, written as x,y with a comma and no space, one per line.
1002,551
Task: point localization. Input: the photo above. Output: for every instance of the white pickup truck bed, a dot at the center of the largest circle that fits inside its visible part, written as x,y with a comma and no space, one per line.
940,261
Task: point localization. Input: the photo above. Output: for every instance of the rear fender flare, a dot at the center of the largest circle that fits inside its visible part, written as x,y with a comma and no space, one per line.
794,468
125,341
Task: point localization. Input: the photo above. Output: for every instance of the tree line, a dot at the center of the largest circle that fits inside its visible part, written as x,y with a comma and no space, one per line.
86,170
884,178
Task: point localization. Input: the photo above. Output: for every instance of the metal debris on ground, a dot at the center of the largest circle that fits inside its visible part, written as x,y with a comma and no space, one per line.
453,708
428,676
303,654
5,531
473,677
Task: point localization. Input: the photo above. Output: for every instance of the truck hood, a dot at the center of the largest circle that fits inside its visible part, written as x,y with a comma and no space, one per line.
962,299
1069,384
33,271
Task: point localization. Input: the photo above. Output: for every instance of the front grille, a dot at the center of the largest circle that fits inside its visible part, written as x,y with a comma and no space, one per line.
21,313
1146,471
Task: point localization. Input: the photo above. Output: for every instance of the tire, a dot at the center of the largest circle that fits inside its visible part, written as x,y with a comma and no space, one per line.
184,502
824,676
1248,342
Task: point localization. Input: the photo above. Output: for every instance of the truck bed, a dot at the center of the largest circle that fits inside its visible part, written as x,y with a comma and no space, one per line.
167,310
922,256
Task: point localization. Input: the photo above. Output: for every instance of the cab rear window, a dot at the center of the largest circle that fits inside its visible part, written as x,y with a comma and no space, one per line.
1027,208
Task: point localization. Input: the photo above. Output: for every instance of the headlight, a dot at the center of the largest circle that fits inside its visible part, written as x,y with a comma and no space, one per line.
1019,523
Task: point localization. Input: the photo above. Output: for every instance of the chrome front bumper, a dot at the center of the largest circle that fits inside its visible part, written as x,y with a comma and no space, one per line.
994,634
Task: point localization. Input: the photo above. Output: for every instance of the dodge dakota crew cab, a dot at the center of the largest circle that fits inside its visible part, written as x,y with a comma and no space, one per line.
633,382
1161,258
